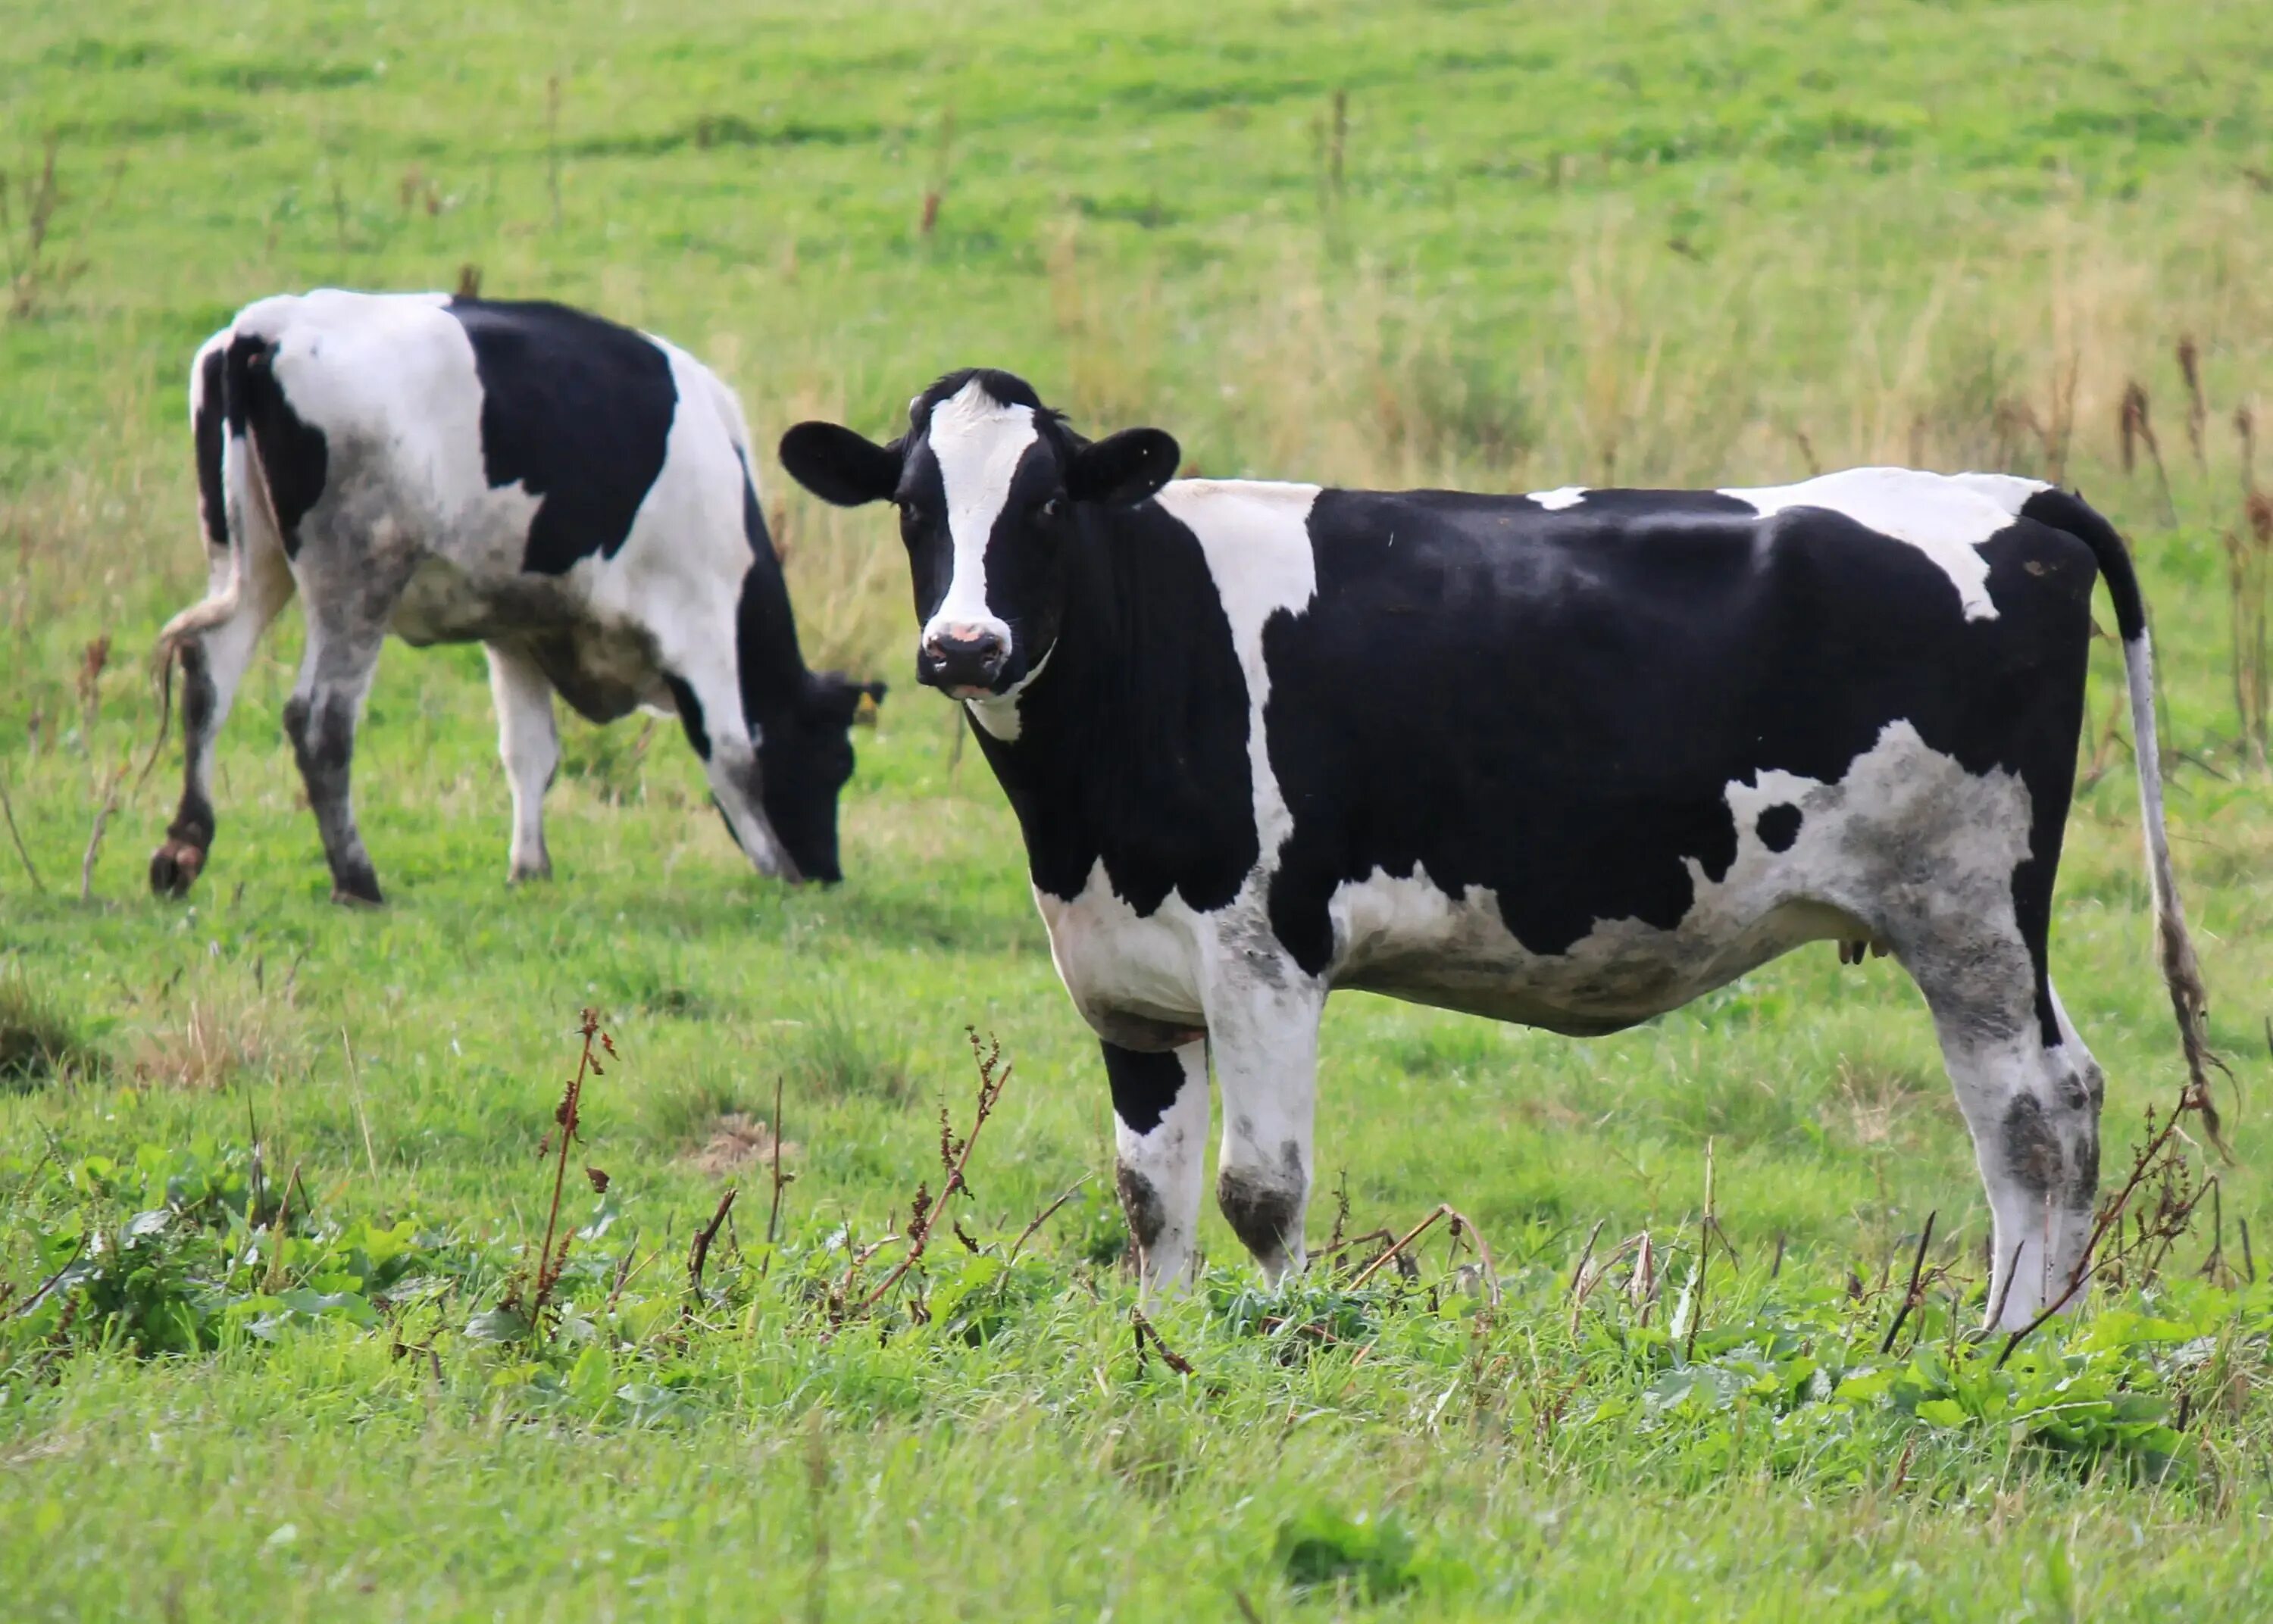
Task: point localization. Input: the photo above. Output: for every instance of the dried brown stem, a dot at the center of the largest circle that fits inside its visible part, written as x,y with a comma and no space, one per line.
566,1118
48,1284
773,1213
1443,1210
8,811
2146,1160
993,1077
1911,1296
699,1252
1043,1216
94,835
1169,1357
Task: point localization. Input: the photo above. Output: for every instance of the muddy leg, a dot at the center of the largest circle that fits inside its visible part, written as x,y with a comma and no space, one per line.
1159,1135
212,664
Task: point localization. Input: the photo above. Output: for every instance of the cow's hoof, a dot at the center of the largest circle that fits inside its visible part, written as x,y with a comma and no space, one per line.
358,891
527,871
175,867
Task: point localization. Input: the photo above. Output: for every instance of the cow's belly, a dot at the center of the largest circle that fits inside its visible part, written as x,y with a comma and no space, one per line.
447,603
1132,977
603,669
1407,939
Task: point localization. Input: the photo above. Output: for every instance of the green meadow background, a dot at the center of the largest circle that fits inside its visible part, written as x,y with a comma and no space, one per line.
1503,247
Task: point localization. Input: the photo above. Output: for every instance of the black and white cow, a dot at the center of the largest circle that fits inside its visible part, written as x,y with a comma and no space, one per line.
574,496
1569,760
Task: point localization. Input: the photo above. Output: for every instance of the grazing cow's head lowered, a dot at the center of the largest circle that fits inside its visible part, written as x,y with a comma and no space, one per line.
990,484
805,757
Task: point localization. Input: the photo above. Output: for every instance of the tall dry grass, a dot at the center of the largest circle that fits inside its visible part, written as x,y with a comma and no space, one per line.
1927,329
1775,358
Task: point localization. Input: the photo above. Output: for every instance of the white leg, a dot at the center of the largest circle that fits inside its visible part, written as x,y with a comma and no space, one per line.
1159,1135
2033,1109
529,744
1262,1029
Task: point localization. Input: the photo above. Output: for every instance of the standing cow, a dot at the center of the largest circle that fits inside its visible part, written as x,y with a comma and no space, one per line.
1569,760
574,496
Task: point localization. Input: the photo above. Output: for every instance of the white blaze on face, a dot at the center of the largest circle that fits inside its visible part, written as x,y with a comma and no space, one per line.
1947,517
978,442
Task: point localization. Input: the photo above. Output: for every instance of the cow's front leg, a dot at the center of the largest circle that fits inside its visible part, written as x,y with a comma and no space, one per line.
1265,1042
1159,1136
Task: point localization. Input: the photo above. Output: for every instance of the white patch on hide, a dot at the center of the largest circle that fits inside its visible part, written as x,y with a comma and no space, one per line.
1256,536
1562,497
1906,840
998,713
1947,517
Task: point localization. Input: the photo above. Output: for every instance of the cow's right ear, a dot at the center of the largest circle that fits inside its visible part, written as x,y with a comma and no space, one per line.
838,465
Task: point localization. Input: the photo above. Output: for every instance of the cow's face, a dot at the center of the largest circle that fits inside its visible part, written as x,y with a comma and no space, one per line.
992,489
804,758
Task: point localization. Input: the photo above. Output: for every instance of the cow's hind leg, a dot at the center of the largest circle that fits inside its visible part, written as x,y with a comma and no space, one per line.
528,743
1160,1133
321,719
2030,1094
213,660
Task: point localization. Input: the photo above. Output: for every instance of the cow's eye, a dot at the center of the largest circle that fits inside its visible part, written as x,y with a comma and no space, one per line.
1053,509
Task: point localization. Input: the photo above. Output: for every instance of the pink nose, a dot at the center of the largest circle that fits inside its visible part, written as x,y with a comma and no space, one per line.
963,653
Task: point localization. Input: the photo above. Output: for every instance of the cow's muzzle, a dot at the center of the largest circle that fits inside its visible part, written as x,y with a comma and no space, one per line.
964,660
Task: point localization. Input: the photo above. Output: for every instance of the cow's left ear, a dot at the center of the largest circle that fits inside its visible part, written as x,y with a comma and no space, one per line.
1123,469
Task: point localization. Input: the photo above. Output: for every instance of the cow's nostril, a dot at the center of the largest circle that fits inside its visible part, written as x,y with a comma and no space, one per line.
978,648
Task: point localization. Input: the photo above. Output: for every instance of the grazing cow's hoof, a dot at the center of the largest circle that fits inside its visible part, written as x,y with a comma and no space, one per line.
529,871
175,867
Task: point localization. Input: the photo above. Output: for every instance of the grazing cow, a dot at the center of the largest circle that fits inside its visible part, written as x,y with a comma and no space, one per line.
1569,760
574,496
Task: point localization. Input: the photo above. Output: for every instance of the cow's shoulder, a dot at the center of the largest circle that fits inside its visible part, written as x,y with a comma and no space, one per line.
574,409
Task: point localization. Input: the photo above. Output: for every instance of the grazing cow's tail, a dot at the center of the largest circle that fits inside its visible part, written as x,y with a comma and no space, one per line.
2189,1002
233,496
208,432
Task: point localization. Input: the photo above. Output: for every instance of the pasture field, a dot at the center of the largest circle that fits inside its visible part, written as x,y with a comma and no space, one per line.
1650,242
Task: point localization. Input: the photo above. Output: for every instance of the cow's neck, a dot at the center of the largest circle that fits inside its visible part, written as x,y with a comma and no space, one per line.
772,666
1131,740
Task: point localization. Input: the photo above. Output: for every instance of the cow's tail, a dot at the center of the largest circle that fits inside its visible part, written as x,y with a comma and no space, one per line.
232,489
2181,973
208,434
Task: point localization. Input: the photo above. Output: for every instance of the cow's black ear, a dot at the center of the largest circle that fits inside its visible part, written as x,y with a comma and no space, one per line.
1123,469
838,465
833,698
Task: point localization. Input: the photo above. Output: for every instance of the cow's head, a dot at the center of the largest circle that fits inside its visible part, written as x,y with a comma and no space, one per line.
992,486
804,756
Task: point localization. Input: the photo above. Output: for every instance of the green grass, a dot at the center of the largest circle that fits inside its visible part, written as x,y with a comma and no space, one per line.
1658,243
